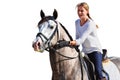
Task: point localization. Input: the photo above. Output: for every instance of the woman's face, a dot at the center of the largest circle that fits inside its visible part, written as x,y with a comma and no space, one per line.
82,12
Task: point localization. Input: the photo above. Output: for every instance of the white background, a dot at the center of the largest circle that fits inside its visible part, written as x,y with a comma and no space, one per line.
18,21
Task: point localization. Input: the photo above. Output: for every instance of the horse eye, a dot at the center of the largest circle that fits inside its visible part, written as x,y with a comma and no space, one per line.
51,27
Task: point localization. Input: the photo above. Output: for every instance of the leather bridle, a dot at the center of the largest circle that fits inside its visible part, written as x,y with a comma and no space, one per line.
47,42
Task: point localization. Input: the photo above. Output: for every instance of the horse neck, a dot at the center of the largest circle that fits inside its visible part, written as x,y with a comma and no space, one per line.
64,67
64,35
61,65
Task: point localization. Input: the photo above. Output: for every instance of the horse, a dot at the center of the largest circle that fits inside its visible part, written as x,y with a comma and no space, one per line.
66,61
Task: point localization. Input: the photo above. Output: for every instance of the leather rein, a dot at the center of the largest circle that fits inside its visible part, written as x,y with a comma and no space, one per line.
58,45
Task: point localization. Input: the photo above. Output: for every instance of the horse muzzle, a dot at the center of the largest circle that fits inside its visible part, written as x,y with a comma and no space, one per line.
38,46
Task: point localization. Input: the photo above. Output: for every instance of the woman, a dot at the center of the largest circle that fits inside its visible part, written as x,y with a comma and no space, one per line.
86,35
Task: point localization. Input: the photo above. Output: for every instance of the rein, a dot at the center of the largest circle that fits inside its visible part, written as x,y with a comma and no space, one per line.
58,46
66,44
76,48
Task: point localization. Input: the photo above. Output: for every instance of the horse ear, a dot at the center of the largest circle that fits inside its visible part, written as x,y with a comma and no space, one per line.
55,14
42,14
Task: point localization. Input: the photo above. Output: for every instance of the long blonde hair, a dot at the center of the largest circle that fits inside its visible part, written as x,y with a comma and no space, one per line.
85,5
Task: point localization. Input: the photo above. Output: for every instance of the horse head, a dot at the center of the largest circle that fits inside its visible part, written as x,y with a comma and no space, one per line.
48,28
49,35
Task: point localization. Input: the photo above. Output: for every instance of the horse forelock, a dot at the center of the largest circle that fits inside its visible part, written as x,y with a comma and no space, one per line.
46,19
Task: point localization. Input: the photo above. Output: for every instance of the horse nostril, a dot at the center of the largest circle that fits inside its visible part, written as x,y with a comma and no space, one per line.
39,44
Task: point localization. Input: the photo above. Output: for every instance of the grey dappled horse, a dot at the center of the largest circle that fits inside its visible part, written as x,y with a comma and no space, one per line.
66,61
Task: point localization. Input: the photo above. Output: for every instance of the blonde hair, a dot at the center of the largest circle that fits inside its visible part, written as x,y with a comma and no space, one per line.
85,5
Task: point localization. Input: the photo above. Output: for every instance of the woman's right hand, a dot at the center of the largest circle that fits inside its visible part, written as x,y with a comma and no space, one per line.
73,43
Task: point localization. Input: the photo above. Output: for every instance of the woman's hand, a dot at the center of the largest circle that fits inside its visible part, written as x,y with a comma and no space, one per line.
73,43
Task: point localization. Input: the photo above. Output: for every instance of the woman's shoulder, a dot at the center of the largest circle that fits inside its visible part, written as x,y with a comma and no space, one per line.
77,21
91,22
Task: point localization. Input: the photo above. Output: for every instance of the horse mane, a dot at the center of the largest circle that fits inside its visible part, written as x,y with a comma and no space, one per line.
67,32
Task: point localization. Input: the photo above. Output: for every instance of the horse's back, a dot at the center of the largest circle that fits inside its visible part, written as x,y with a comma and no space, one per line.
112,67
116,61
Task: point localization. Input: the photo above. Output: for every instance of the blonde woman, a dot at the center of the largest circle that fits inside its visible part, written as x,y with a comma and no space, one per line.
86,36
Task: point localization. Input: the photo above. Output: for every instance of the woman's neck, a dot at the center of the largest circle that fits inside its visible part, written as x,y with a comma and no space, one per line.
83,21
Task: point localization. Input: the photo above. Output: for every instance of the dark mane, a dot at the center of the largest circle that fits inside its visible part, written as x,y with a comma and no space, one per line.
67,32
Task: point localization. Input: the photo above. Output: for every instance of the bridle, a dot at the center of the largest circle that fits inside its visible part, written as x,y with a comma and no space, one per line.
47,42
57,45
